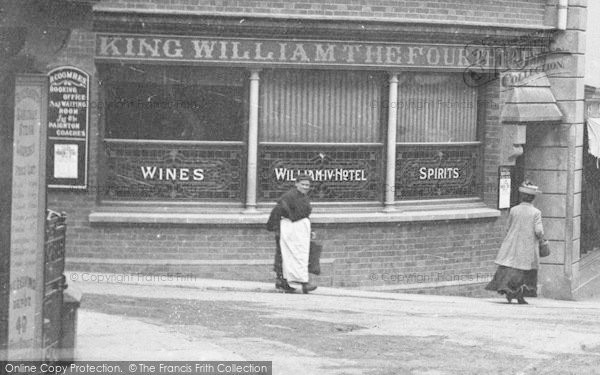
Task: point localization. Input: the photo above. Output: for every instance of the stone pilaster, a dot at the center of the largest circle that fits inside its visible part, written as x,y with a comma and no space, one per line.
553,159
252,142
390,176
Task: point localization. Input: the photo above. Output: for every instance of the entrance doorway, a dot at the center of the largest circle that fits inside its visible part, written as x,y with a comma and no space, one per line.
590,200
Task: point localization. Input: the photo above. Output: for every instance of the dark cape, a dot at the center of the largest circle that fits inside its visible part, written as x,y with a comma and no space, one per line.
295,205
292,205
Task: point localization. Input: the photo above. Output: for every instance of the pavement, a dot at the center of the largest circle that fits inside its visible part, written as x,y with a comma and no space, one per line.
331,331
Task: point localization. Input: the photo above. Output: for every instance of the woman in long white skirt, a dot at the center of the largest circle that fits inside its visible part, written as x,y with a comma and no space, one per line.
295,245
295,233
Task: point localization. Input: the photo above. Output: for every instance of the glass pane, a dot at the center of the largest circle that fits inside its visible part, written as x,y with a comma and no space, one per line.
436,108
320,106
154,104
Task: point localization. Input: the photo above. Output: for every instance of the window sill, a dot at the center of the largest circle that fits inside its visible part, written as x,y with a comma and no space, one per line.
321,215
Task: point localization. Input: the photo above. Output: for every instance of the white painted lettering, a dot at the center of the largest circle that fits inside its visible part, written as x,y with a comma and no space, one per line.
177,50
282,51
299,54
392,55
184,174
204,48
235,54
449,53
325,55
105,45
198,174
350,49
259,55
433,56
147,47
129,47
378,55
148,172
412,53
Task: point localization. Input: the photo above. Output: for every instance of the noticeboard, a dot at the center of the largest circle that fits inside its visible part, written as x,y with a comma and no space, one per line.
68,128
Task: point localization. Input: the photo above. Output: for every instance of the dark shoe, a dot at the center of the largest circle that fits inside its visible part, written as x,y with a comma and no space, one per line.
306,287
507,294
519,296
282,285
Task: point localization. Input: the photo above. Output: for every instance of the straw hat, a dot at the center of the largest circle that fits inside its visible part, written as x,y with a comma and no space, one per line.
529,188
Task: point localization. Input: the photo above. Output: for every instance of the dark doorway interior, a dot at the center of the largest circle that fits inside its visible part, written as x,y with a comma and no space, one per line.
590,201
517,177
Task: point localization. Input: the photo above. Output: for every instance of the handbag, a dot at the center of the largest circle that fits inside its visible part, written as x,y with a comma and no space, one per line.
544,248
314,258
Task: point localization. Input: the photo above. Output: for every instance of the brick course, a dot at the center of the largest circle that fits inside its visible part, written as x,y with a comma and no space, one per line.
530,12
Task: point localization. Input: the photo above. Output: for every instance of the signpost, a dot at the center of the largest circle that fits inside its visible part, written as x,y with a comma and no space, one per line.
26,280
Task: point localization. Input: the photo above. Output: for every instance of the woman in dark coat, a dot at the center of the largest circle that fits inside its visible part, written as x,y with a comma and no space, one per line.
518,258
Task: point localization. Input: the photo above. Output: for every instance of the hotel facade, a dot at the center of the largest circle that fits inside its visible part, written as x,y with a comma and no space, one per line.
174,126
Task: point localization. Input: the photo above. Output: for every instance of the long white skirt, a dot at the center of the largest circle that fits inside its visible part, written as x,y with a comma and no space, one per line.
295,246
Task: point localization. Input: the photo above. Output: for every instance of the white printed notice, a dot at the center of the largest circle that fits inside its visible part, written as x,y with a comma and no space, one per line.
504,188
65,161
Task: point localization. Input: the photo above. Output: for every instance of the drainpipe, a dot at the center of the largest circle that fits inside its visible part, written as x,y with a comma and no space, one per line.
561,23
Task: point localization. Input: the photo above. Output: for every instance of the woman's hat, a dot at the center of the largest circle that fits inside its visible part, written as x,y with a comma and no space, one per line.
529,188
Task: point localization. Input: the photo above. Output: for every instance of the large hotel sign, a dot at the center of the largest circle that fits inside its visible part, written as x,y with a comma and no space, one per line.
240,51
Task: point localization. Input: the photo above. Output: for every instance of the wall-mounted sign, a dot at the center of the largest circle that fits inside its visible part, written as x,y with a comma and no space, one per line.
504,187
338,173
437,172
244,51
68,126
163,172
27,223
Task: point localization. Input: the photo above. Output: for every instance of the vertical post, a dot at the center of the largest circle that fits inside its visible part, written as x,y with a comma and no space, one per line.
390,176
252,142
28,219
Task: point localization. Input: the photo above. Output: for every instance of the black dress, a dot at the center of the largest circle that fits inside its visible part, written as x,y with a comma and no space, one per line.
511,281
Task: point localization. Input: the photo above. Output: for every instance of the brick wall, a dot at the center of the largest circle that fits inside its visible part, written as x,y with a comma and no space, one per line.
364,254
489,106
510,12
